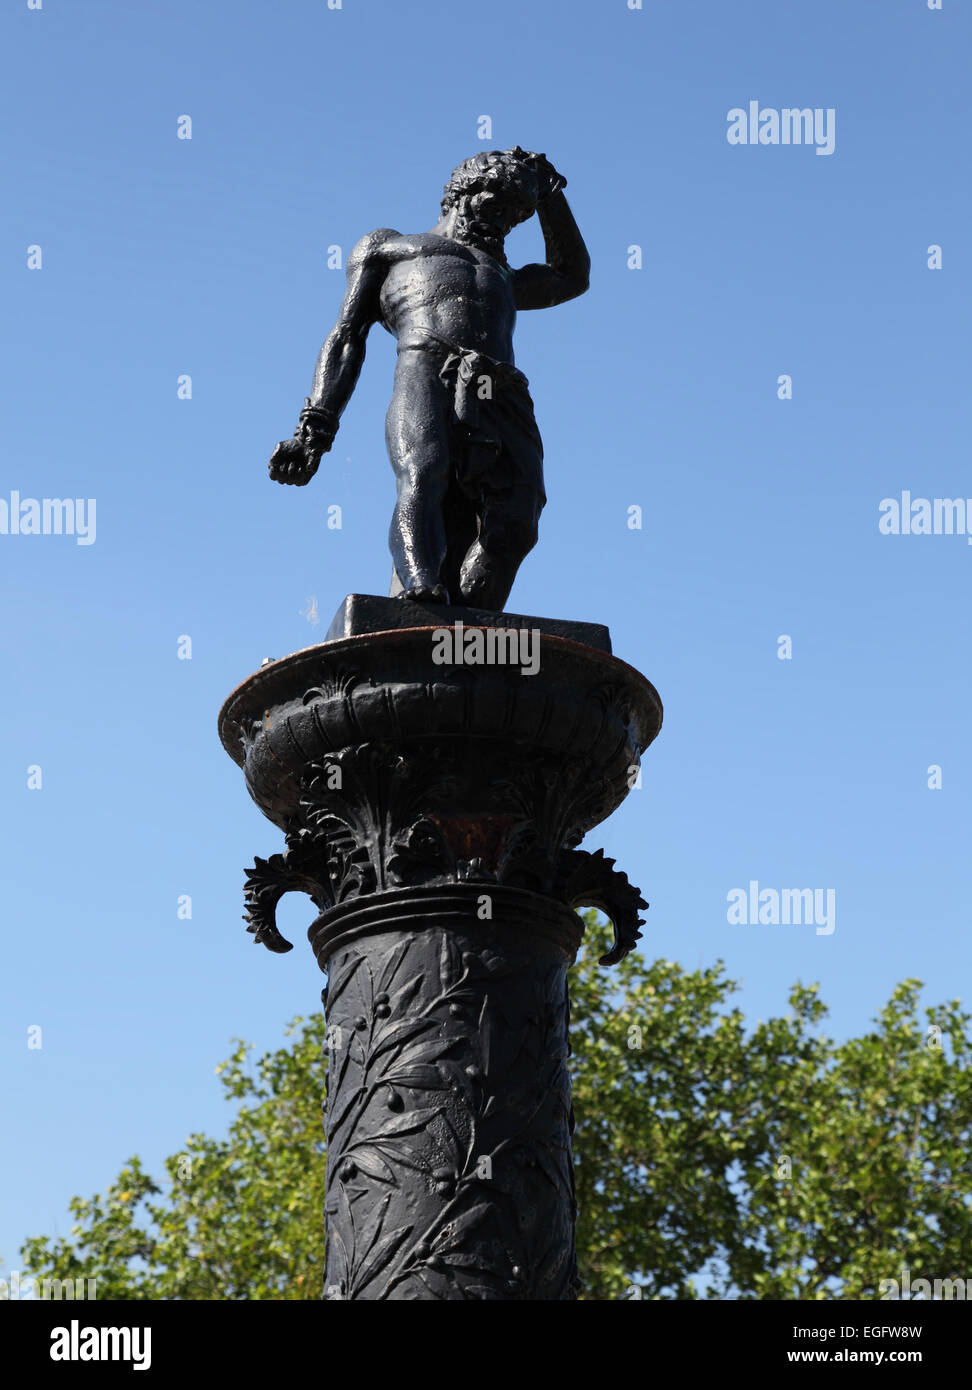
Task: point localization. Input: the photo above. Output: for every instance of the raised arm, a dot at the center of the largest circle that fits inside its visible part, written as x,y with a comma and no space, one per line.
338,364
567,272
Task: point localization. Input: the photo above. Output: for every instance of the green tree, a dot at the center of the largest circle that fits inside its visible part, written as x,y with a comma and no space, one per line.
712,1161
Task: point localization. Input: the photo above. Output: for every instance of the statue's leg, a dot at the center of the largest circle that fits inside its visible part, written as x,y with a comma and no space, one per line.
462,528
508,532
417,436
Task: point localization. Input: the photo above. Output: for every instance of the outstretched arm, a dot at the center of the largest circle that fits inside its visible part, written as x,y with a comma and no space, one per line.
338,365
568,269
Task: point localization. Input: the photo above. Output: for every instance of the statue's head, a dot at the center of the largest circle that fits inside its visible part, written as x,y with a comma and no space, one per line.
494,191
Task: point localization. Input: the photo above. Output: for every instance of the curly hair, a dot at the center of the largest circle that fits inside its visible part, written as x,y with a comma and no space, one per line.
499,170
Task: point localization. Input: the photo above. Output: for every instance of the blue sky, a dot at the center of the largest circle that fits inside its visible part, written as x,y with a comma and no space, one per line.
208,257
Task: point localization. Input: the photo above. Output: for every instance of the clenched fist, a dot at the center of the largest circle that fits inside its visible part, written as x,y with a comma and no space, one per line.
292,462
297,460
548,179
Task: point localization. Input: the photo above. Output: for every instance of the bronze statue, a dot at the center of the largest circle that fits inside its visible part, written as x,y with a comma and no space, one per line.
460,429
433,801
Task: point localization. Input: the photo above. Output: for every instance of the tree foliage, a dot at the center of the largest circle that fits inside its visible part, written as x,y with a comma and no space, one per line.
712,1160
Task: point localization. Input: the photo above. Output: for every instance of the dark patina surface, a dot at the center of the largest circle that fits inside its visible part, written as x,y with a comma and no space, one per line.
434,766
460,430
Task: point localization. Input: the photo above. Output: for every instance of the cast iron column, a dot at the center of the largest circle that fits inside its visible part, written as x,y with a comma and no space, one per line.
432,813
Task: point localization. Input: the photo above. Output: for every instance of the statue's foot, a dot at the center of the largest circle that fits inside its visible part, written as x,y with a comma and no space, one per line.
437,593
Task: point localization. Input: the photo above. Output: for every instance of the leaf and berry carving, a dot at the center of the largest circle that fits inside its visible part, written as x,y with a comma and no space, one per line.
448,1115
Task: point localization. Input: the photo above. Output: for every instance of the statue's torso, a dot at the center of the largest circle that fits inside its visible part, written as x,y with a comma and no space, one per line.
453,291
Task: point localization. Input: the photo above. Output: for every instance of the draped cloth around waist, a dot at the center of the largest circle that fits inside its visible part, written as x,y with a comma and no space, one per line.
492,406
